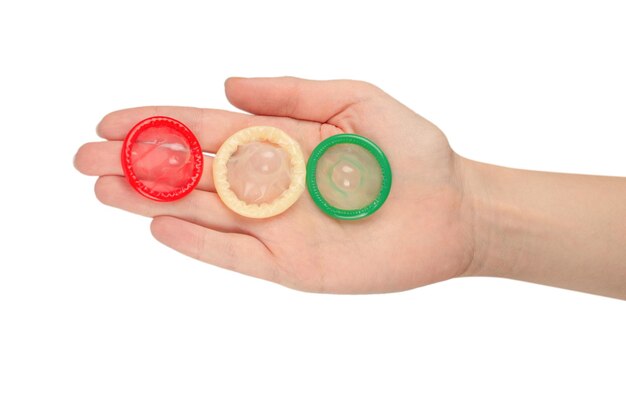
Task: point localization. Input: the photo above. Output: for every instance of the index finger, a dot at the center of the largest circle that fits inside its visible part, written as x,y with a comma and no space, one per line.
211,126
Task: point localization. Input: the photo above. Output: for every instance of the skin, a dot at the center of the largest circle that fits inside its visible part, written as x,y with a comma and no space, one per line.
445,217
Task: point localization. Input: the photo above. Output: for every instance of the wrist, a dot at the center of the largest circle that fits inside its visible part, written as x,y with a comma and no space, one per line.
501,226
561,230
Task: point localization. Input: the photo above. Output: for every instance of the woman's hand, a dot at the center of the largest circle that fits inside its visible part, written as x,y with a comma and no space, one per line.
422,234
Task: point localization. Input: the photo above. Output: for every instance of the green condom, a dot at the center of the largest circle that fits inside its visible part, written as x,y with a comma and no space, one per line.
348,176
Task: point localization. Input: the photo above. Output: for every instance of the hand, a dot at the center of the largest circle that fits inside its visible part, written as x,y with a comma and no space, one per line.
420,235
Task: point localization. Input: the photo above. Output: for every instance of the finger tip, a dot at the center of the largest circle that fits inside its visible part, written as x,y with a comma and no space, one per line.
101,127
79,159
111,190
234,80
231,85
113,126
98,190
163,228
74,160
156,226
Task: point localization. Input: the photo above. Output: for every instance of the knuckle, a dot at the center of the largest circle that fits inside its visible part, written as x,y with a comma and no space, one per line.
230,255
367,89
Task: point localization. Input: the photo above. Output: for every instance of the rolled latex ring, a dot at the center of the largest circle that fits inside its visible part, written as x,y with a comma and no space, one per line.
348,176
162,159
259,172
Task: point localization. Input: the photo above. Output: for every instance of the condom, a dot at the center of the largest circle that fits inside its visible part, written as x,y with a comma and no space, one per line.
259,172
348,176
162,159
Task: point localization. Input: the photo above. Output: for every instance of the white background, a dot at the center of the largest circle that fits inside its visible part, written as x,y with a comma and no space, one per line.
97,319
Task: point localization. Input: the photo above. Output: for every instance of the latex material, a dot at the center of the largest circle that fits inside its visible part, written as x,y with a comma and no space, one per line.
259,172
348,176
162,159
266,168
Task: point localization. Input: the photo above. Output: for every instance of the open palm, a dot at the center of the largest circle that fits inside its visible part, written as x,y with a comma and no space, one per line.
419,236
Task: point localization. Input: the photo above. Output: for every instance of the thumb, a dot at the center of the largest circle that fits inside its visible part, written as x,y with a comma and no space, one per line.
297,98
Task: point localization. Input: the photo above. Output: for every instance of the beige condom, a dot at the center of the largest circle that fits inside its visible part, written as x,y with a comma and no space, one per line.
259,172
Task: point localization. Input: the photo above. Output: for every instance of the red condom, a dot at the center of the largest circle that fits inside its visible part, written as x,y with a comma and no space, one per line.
162,159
